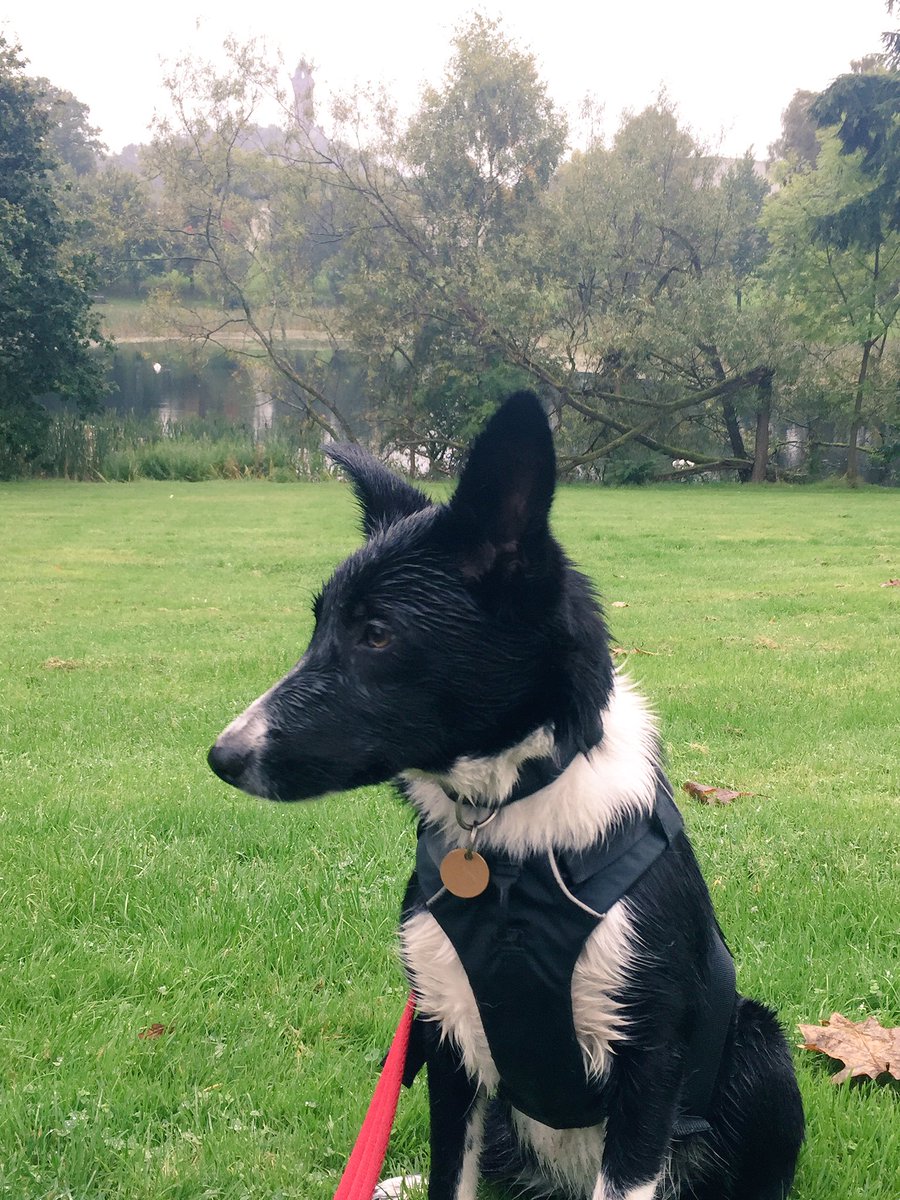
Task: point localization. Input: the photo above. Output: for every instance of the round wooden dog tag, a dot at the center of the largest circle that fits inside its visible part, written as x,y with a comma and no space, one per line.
465,873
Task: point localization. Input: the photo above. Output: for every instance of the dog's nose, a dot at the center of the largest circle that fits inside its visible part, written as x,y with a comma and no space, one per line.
228,761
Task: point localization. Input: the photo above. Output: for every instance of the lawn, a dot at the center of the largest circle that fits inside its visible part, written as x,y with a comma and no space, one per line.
138,891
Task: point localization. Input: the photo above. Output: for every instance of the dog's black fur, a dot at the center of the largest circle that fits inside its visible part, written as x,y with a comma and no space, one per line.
453,635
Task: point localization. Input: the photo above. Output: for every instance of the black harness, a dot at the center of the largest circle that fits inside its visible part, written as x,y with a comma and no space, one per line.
519,942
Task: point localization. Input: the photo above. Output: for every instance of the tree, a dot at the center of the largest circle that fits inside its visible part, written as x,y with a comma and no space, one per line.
836,259
242,207
863,108
488,142
649,247
798,144
890,39
74,142
392,245
114,215
47,327
438,229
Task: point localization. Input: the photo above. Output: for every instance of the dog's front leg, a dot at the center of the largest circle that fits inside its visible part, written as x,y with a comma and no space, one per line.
457,1110
639,1128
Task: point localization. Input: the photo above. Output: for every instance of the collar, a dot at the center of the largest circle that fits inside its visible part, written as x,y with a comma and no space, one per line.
534,775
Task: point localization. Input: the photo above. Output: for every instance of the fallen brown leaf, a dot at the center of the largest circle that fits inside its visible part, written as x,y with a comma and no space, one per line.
709,794
618,651
891,583
155,1031
620,604
864,1047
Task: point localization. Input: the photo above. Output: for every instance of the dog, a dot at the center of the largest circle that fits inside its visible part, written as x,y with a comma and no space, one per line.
576,1005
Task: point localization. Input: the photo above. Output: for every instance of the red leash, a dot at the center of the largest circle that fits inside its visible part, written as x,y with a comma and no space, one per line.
363,1168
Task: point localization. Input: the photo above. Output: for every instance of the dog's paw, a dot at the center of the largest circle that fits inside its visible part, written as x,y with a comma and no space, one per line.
398,1189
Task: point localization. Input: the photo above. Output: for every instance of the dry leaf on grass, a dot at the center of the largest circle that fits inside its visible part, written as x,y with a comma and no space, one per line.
891,583
765,643
155,1031
619,604
707,793
619,651
864,1047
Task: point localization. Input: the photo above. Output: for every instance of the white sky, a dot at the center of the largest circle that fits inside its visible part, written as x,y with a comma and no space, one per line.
730,66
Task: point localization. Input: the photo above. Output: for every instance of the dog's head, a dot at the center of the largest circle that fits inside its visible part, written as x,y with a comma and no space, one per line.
456,630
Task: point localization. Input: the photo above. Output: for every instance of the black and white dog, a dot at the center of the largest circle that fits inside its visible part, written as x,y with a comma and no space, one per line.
576,1003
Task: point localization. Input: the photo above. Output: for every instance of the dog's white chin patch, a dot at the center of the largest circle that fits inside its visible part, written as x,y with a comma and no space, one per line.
491,779
594,793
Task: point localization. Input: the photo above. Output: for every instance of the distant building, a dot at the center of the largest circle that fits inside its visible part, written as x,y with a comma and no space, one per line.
761,168
305,106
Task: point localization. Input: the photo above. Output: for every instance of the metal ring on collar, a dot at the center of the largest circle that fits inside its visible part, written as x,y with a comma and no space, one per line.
471,826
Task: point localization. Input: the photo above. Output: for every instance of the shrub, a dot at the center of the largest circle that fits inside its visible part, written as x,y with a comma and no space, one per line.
123,448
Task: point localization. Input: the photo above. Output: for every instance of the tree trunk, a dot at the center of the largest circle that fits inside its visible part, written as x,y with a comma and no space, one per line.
735,437
732,425
856,421
763,416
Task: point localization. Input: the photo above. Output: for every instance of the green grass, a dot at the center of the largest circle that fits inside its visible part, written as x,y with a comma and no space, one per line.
136,889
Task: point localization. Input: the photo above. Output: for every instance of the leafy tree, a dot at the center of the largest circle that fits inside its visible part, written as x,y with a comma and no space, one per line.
864,109
890,39
488,142
798,144
436,245
74,142
650,247
393,245
575,284
241,207
116,221
47,326
839,277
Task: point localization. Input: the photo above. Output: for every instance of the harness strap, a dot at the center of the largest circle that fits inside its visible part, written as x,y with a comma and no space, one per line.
707,1043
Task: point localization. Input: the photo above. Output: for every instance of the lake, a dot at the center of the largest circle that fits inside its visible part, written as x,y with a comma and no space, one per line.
177,381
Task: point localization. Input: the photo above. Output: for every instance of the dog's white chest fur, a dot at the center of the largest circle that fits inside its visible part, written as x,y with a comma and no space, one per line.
570,1156
446,997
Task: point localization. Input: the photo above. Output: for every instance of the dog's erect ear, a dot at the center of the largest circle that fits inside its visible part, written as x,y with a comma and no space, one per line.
383,497
506,487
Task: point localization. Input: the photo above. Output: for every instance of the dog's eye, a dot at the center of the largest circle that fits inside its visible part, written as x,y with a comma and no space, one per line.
376,636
